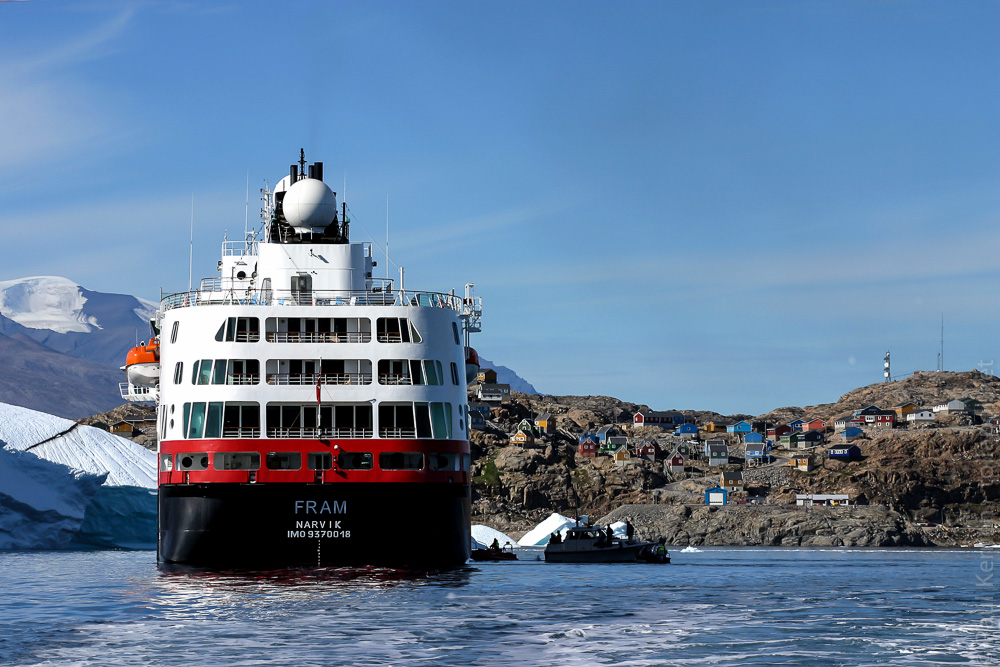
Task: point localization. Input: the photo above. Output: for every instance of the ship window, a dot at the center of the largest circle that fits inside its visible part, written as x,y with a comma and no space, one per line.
454,328
203,371
284,460
319,460
396,330
166,462
173,332
401,461
433,371
454,373
423,420
395,420
241,420
393,371
195,461
219,372
466,462
213,424
239,330
197,429
442,461
441,429
236,461
178,372
355,461
187,415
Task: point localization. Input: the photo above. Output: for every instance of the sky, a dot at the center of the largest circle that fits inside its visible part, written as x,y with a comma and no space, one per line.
729,206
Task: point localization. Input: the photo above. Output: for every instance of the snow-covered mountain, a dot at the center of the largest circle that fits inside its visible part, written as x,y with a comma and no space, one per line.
67,485
68,318
61,345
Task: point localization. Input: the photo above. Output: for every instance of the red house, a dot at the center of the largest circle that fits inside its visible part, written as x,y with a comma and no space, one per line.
646,450
587,448
675,462
814,425
778,431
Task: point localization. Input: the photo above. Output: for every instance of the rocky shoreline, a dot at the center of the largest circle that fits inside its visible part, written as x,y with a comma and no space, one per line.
768,525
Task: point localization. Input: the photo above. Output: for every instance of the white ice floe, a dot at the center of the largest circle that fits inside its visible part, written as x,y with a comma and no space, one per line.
690,550
66,485
485,535
539,535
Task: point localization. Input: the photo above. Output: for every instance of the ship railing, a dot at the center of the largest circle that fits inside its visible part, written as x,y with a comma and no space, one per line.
307,379
394,379
241,432
316,433
137,394
238,249
243,378
318,337
390,432
213,293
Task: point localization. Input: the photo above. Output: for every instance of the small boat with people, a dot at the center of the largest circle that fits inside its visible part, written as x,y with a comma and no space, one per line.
592,544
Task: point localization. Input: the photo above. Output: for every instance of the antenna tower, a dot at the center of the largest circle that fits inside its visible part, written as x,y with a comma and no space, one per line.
888,376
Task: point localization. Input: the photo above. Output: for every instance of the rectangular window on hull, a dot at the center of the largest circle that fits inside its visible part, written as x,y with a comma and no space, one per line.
236,461
166,462
284,461
319,460
173,332
178,372
401,461
355,460
444,461
192,461
420,420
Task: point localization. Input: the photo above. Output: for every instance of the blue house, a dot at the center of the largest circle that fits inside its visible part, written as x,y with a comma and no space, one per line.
588,437
716,496
686,429
756,453
797,424
606,432
739,427
845,452
850,433
754,438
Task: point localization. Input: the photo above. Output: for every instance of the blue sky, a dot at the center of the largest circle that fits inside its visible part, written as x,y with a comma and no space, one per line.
732,206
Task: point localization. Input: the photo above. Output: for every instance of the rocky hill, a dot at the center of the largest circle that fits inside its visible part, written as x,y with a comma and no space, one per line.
936,484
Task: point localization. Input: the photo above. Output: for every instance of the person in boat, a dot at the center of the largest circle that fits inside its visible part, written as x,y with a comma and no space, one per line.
611,535
496,544
556,538
629,531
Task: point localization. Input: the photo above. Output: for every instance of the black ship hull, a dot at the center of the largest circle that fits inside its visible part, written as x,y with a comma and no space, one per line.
261,526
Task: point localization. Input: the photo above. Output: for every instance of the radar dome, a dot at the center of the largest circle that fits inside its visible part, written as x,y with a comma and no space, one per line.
309,204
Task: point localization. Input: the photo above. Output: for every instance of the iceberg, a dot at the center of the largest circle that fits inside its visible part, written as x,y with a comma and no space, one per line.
539,535
485,535
64,485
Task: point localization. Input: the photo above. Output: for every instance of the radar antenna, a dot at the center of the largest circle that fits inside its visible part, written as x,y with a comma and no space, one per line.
302,162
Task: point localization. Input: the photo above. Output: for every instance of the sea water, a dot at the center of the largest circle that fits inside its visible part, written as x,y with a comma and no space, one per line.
715,606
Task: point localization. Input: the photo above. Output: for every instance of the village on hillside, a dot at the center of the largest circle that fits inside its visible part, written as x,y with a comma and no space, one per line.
747,461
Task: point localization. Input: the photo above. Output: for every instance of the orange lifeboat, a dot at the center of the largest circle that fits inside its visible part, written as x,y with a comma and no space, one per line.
471,365
142,364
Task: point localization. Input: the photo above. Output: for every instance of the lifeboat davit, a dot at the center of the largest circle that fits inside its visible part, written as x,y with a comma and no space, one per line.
142,364
471,365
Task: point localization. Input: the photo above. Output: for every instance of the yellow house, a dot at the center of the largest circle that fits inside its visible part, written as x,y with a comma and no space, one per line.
522,439
545,423
712,427
803,463
487,376
904,409
622,456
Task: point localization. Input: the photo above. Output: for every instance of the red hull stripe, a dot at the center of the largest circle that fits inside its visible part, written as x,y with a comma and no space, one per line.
457,449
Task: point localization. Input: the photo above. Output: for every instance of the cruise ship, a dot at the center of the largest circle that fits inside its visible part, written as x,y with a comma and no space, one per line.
309,413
